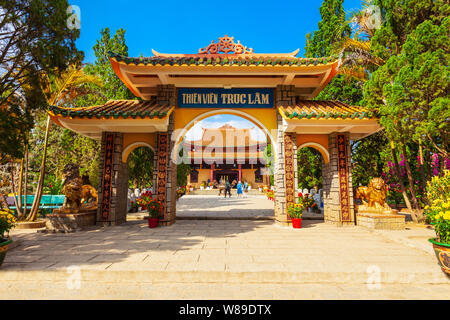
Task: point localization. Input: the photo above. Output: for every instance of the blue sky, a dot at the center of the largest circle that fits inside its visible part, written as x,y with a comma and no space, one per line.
185,26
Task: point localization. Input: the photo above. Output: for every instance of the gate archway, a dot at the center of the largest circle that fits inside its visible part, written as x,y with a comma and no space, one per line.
273,91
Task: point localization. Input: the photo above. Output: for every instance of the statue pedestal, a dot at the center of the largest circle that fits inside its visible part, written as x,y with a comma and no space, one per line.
380,219
70,220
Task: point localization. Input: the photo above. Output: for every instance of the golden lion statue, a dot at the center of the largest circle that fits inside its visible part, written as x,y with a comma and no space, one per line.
374,195
78,191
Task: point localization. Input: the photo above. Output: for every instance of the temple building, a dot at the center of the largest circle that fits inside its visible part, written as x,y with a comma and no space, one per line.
226,153
174,91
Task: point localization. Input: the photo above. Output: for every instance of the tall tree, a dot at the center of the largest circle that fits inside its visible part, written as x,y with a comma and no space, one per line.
332,30
410,91
309,167
140,168
113,87
35,40
320,43
59,90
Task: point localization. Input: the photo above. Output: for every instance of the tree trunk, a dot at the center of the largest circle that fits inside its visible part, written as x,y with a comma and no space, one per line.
37,199
26,179
411,181
13,188
402,185
20,194
422,171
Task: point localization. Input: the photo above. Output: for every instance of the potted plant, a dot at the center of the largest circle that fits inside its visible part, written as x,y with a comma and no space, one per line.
7,222
295,210
181,191
154,210
438,212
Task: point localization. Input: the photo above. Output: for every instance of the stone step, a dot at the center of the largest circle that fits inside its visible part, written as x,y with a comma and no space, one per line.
128,275
144,215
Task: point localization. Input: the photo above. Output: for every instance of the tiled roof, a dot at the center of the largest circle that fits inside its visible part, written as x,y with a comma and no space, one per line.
315,109
240,60
118,108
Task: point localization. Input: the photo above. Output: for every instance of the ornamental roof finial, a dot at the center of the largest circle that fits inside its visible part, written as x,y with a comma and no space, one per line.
226,45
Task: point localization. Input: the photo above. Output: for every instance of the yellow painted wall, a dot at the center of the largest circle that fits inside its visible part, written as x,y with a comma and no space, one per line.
203,175
321,139
139,139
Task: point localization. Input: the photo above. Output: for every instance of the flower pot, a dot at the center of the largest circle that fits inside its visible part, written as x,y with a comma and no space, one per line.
152,222
442,251
3,250
296,223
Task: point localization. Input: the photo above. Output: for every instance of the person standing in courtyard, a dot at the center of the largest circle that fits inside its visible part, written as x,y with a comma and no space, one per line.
227,189
245,188
239,189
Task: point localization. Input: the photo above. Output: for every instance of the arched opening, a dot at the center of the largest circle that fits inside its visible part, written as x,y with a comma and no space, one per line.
139,160
312,158
219,148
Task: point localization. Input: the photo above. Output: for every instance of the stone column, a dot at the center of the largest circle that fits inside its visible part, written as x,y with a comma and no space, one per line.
285,96
113,187
338,206
166,94
166,184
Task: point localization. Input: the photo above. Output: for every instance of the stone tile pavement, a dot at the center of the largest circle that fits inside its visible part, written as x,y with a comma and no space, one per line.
223,259
218,207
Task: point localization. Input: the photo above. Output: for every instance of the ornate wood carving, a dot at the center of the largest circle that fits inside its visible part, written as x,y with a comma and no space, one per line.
289,169
163,156
226,45
343,179
107,177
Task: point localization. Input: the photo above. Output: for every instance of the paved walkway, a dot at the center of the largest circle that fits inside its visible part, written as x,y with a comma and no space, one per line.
223,259
214,206
255,207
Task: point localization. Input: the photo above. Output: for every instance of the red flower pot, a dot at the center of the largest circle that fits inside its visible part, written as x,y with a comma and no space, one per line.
152,222
296,223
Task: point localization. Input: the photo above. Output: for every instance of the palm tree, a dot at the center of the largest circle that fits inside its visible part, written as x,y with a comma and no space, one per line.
357,59
60,90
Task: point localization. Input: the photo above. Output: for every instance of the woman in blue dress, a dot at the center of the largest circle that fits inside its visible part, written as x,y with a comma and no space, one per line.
239,189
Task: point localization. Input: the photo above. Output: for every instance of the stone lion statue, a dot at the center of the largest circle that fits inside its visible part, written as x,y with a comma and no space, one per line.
374,195
78,191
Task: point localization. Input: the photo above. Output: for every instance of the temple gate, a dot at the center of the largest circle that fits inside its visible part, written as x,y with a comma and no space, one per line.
273,91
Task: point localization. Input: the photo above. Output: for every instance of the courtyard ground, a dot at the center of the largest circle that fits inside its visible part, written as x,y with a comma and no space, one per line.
224,259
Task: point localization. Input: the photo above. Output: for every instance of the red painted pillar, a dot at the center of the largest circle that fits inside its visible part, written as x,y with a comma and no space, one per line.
240,171
211,173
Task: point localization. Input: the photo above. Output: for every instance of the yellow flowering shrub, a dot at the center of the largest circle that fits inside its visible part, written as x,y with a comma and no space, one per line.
7,222
438,194
295,210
